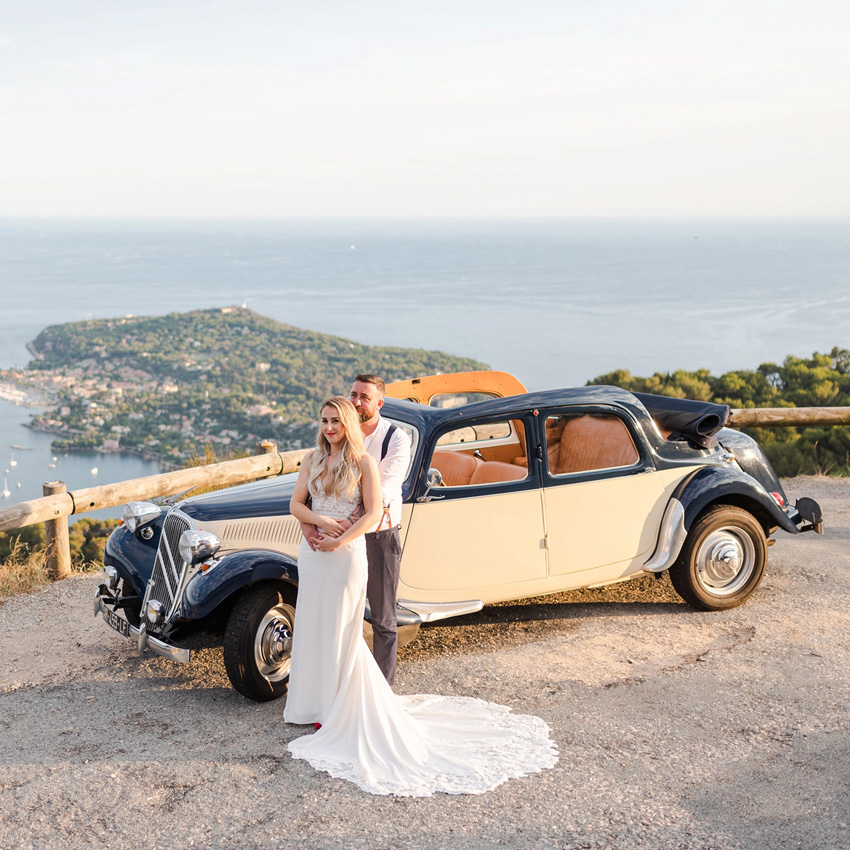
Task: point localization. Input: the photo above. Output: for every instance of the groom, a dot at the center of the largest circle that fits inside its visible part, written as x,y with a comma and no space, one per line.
391,449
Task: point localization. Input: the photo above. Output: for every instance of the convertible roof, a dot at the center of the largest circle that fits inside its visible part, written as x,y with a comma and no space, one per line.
695,421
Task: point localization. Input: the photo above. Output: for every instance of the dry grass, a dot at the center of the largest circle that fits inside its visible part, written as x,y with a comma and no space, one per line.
25,569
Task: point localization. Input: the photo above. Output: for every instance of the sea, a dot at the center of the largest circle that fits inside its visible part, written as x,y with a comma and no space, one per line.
554,301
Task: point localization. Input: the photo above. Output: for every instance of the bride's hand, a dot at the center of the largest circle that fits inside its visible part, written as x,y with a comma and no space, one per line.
326,544
330,527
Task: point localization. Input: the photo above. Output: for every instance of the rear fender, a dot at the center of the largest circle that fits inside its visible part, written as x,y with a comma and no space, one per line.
727,486
206,591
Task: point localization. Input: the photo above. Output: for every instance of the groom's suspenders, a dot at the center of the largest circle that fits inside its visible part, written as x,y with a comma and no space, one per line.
386,444
384,447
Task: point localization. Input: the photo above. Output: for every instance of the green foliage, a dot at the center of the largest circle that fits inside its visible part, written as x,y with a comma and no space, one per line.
167,386
823,380
88,539
31,537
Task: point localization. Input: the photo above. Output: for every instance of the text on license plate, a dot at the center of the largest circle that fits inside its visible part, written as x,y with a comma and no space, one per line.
118,623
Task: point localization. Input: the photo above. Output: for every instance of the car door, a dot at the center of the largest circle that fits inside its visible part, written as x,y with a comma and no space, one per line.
481,531
603,498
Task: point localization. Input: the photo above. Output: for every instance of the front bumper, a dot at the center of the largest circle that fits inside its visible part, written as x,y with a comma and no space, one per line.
102,599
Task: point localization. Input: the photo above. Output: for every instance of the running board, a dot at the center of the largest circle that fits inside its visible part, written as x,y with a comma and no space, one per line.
430,611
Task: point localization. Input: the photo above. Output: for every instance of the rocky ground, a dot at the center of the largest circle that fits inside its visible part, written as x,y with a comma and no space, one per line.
676,729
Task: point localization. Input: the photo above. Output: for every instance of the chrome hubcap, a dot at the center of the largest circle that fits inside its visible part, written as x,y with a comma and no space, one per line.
725,561
273,643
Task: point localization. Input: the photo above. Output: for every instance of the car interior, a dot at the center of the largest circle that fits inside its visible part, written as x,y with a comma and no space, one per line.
495,452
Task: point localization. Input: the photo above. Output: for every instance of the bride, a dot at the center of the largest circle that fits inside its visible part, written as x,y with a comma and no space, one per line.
385,744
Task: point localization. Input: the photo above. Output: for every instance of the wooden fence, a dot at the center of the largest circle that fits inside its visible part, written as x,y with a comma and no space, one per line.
59,503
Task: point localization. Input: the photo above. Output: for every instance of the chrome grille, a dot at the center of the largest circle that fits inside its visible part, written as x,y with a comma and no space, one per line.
169,569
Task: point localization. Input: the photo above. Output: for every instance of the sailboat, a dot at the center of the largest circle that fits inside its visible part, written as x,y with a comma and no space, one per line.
6,491
13,462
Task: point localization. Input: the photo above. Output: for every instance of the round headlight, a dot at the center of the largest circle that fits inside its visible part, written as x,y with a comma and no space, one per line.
155,612
111,577
137,514
198,546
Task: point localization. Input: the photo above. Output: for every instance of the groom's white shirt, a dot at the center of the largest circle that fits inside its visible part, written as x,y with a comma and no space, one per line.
393,467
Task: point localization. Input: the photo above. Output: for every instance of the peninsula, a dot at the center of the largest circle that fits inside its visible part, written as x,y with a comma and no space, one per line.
166,387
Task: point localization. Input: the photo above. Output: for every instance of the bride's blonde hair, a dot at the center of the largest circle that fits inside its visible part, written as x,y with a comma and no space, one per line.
345,476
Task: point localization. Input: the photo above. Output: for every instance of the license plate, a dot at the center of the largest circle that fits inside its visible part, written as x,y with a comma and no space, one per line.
118,623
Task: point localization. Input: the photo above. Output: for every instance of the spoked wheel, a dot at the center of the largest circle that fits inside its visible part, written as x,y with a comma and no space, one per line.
722,561
258,642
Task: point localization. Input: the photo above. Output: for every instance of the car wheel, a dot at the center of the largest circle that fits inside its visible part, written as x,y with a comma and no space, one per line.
258,642
722,561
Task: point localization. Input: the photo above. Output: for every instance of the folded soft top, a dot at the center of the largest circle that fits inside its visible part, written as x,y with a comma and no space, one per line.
686,419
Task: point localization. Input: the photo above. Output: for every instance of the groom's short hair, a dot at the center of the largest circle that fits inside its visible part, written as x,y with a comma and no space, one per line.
372,379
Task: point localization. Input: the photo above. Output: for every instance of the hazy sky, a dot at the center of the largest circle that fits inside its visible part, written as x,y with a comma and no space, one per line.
362,107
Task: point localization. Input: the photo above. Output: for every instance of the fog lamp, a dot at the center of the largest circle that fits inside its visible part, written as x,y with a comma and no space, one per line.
155,612
111,577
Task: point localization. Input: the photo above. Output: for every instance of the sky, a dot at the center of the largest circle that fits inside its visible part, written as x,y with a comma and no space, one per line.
266,108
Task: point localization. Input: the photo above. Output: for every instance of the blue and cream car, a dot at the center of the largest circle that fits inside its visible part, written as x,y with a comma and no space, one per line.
509,494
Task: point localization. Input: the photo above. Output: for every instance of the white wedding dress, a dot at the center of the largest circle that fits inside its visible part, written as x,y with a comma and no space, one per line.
388,744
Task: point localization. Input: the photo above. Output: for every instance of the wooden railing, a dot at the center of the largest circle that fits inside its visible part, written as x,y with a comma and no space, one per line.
780,417
58,503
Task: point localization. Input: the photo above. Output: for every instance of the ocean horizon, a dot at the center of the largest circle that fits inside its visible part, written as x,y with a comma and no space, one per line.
556,302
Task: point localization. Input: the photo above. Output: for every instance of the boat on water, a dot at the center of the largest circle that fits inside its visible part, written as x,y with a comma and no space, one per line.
6,491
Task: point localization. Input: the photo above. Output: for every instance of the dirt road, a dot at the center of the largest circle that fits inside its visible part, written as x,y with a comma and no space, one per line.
676,729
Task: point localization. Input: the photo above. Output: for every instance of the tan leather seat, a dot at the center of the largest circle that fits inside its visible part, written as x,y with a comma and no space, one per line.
595,442
456,468
493,471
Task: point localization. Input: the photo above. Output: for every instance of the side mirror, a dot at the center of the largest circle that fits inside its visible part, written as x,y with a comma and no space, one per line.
433,478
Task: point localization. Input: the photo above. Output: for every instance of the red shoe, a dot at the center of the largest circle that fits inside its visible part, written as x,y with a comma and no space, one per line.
318,725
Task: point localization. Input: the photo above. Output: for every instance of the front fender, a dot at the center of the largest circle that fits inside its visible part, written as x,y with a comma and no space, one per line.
725,485
132,555
207,590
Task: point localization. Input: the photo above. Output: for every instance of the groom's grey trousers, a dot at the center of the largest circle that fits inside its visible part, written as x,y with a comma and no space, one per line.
383,552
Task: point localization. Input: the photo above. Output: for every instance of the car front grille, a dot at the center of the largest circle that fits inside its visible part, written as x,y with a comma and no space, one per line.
169,570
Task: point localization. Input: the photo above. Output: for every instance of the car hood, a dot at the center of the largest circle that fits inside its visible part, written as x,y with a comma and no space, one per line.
259,499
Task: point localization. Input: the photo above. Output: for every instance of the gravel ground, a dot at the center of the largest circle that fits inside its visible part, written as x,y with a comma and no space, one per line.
676,729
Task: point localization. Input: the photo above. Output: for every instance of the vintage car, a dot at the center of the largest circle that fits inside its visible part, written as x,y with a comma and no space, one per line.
509,495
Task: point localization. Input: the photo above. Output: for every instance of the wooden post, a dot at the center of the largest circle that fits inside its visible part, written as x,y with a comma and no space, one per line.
266,447
56,534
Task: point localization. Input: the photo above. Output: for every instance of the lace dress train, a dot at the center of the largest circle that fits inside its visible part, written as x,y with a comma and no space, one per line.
384,743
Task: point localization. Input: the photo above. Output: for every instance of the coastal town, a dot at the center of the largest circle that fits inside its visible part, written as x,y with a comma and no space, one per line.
169,388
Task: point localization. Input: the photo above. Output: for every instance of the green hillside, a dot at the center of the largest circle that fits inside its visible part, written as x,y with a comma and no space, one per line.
167,386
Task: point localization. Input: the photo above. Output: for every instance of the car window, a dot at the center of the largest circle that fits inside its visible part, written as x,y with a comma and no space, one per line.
482,454
582,442
473,433
411,433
